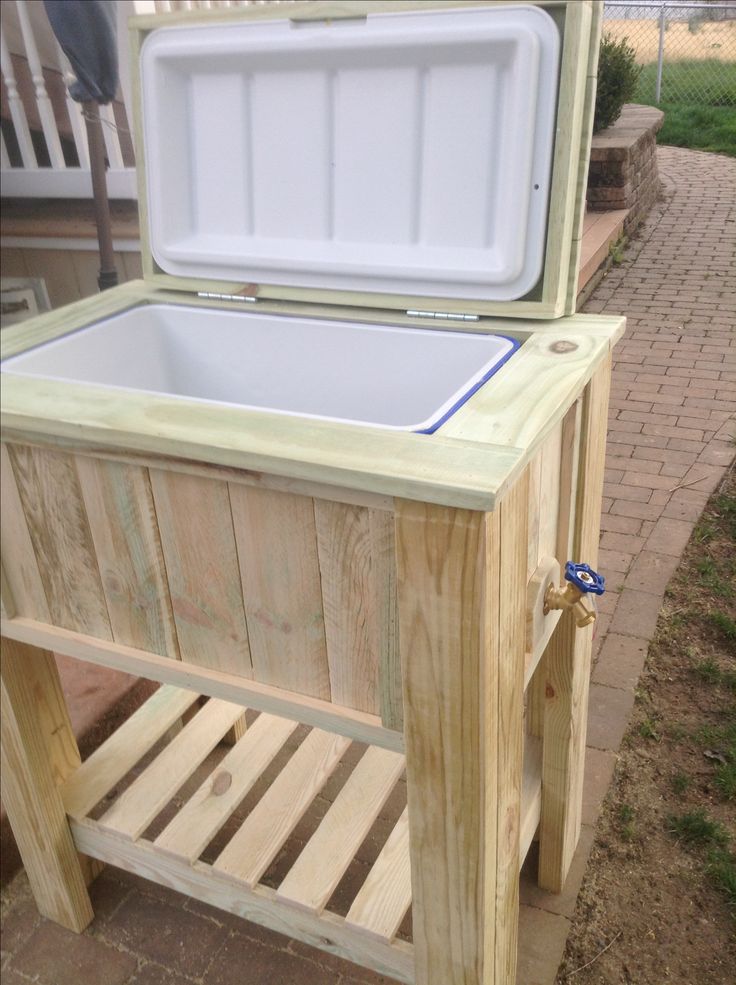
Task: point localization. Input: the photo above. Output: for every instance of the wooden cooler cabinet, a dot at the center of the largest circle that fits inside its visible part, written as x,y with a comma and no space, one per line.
373,595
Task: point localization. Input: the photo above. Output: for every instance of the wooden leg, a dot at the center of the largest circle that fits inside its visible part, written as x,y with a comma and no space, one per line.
461,613
567,661
38,750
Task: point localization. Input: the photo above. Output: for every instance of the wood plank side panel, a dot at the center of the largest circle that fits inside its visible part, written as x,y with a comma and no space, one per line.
568,660
200,555
383,575
447,565
385,896
122,519
20,566
277,552
567,164
350,607
52,501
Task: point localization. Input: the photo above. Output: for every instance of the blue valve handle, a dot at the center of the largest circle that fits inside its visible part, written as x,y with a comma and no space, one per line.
585,578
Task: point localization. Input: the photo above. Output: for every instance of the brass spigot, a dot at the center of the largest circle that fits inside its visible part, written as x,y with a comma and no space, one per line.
581,581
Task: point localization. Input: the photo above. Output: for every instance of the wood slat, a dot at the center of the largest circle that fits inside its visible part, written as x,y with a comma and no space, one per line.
385,896
206,811
272,820
19,560
514,513
569,457
351,609
122,519
383,574
312,879
448,571
326,931
57,523
134,810
108,764
202,567
535,493
277,552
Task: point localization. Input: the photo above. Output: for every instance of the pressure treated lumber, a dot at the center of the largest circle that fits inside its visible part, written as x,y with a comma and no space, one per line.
352,603
29,789
311,711
385,896
259,904
201,560
134,810
54,511
119,754
312,879
207,810
369,459
279,569
258,840
121,514
461,591
23,577
567,663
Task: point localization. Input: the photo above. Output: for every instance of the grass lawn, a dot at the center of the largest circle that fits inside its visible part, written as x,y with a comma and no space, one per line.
699,104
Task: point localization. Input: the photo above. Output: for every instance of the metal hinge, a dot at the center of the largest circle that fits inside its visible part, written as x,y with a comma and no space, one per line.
442,315
213,296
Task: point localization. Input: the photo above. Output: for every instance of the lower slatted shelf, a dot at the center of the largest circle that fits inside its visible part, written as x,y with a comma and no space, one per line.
299,905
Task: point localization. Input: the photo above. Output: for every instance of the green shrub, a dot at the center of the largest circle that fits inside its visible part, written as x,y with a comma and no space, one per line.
618,75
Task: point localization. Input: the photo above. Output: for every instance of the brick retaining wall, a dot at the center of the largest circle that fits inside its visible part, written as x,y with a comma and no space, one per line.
623,165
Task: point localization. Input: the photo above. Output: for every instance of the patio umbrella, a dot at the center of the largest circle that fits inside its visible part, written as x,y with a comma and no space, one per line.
86,31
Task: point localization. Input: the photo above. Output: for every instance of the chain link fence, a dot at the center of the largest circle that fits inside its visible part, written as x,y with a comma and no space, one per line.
687,50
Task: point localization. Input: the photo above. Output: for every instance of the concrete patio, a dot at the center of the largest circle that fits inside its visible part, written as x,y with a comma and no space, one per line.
670,442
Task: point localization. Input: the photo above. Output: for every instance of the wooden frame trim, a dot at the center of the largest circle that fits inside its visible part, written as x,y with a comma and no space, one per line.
357,725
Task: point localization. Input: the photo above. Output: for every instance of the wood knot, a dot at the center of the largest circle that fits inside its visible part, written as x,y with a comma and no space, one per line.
221,783
549,691
563,346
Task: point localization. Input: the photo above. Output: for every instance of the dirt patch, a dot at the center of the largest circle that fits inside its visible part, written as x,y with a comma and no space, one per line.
708,40
661,884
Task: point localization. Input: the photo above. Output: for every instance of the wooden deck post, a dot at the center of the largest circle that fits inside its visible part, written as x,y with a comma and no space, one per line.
567,660
38,752
461,594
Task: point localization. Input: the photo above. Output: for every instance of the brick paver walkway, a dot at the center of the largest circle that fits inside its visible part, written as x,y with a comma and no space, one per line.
670,443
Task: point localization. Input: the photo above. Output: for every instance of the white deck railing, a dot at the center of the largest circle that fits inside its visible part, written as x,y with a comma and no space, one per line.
43,145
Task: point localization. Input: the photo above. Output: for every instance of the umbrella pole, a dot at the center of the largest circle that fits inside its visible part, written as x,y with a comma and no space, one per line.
108,276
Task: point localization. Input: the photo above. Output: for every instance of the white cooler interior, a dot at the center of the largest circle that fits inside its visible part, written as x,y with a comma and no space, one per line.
399,378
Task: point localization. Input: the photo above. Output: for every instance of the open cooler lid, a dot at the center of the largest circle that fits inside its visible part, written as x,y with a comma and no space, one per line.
403,153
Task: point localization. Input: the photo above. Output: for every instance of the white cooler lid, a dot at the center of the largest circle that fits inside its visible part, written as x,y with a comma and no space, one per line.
399,153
